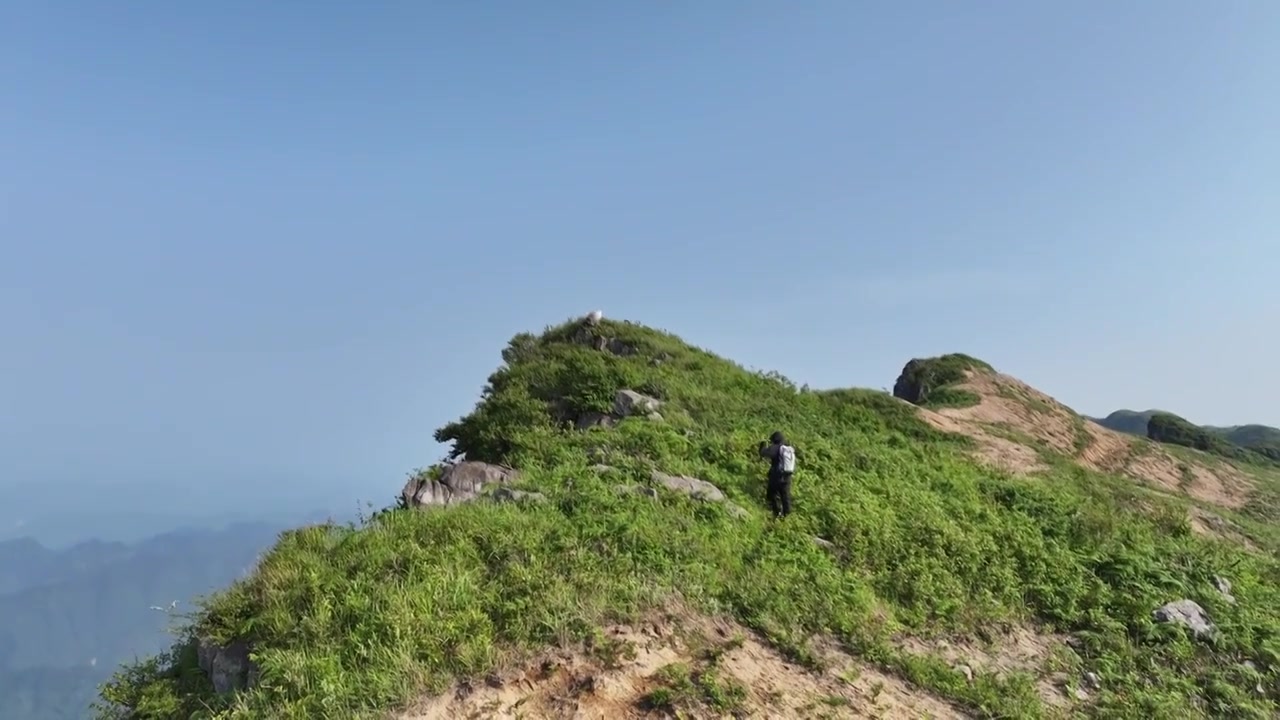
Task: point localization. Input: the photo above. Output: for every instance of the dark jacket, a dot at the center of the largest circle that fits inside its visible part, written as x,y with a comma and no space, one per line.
770,452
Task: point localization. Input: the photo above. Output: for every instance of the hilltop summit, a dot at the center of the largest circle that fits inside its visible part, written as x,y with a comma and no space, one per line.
597,545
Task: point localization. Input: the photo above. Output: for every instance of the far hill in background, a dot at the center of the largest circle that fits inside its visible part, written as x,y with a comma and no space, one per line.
1241,442
1133,422
69,616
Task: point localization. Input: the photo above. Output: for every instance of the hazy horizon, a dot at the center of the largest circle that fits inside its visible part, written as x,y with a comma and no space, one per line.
258,253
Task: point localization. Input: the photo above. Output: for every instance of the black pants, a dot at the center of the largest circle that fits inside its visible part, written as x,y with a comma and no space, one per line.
779,493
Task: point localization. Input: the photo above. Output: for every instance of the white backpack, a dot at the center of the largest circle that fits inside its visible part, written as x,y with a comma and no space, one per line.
787,459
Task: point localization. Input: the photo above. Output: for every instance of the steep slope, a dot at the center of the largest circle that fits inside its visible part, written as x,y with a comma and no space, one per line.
1020,430
1003,410
957,589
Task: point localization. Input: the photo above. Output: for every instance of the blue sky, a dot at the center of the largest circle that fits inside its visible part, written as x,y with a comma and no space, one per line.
265,249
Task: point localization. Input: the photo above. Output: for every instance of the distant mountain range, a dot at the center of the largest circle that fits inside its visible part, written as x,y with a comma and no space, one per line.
69,617
130,512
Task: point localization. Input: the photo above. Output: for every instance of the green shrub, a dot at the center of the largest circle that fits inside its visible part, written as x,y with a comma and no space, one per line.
928,382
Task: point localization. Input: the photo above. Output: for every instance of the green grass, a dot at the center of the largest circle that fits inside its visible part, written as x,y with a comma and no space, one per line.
348,621
1259,518
685,688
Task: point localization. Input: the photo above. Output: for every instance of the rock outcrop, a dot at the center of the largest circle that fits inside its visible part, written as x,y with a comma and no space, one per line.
1187,613
697,489
908,386
459,483
691,486
590,334
629,402
626,403
923,377
229,668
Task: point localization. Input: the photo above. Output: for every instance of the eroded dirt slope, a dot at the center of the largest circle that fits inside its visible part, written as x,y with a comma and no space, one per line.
679,663
688,665
1013,423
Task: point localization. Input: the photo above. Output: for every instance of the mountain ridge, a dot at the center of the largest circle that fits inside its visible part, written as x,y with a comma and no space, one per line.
910,551
1247,442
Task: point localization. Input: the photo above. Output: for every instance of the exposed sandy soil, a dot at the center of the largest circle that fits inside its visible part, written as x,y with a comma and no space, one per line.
579,684
1010,409
998,452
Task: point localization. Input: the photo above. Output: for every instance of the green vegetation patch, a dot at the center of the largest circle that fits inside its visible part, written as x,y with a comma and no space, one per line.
1172,429
1261,439
928,382
348,621
681,687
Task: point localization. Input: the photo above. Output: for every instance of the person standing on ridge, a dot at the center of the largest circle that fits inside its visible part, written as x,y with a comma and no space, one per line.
782,464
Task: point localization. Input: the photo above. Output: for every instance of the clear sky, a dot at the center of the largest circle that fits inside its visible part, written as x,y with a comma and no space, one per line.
265,249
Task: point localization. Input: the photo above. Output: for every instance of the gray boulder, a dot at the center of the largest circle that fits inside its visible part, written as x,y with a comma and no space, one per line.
691,486
459,483
699,490
629,402
1187,613
1092,681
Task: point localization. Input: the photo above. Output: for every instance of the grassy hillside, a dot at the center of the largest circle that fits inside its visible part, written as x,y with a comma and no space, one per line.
921,543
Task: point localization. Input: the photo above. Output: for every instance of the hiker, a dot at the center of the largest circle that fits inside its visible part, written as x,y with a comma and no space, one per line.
782,463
